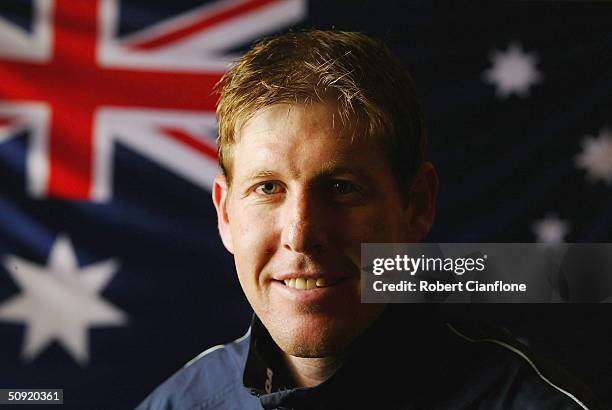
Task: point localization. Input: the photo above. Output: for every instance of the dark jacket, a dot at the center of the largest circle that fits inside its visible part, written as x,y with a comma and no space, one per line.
406,360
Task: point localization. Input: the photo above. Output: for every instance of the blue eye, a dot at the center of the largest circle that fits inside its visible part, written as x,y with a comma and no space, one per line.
268,188
343,187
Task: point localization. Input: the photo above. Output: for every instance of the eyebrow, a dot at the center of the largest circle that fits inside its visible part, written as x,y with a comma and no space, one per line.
331,168
327,170
260,174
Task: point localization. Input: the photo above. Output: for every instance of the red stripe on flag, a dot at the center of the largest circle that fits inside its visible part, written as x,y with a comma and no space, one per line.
191,141
75,86
208,21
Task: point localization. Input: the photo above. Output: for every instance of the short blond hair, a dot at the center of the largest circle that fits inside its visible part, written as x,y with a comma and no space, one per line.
363,77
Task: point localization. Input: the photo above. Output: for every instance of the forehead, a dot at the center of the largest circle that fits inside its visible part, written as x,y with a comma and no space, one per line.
280,119
299,136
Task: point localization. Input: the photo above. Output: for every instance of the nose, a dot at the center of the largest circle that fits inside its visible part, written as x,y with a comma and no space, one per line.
305,224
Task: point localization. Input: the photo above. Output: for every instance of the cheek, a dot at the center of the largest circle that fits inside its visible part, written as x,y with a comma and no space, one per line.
369,224
356,227
254,243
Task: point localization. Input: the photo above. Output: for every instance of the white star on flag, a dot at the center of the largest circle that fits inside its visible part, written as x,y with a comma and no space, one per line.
60,301
551,229
513,71
596,157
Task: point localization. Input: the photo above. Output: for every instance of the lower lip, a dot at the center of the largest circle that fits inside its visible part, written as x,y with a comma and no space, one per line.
307,296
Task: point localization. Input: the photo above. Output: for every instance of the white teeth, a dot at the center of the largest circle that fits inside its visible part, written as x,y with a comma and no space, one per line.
305,284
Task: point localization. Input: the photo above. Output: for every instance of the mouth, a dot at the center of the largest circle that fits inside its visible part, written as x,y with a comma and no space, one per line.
312,290
306,284
309,282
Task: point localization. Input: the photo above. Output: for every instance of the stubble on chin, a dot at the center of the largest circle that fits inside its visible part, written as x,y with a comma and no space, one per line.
311,335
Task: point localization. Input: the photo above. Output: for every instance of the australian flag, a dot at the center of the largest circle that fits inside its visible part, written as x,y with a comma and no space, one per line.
112,274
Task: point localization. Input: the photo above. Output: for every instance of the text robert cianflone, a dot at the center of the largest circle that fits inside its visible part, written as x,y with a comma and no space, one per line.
411,265
484,272
438,286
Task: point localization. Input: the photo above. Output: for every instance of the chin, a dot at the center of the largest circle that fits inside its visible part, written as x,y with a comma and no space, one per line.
314,335
313,345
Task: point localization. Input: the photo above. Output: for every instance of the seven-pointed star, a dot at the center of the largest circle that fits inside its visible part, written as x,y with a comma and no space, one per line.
60,301
551,229
596,157
513,71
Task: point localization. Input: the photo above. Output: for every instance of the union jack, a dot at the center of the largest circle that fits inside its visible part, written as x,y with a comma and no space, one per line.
79,86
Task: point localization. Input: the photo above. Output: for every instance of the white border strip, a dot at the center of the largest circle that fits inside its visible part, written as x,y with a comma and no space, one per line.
522,355
217,347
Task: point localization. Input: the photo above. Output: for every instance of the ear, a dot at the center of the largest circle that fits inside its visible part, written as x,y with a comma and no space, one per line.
220,193
422,202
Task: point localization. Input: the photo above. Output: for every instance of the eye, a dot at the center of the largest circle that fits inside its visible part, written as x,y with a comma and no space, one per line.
268,188
343,187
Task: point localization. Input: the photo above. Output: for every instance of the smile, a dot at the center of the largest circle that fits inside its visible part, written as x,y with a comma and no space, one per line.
305,284
313,288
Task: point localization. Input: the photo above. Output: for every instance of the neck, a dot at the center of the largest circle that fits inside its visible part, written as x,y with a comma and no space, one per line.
312,371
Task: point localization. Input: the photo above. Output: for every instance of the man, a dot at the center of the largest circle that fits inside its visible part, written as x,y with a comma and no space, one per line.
322,148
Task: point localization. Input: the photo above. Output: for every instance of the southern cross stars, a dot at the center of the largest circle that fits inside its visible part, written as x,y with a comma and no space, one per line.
551,229
596,157
513,71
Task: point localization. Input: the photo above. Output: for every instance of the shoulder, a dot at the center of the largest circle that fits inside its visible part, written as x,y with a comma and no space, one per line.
515,377
206,382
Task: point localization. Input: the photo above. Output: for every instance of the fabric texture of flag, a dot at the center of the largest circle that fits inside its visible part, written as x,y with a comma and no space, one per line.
112,275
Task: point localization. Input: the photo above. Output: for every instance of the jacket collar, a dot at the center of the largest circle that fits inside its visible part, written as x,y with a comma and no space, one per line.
378,359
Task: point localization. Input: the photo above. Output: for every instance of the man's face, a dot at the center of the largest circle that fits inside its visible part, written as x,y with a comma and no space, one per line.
303,198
